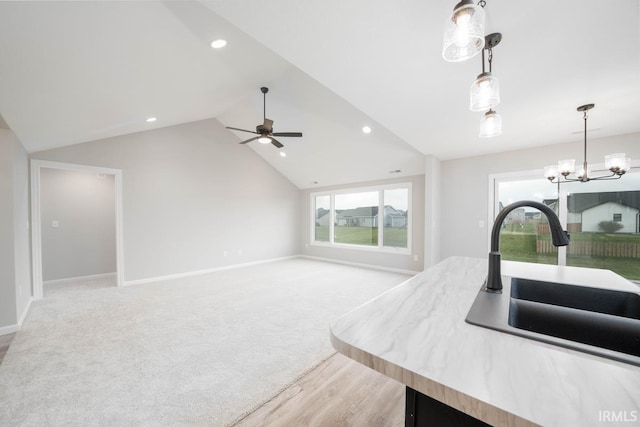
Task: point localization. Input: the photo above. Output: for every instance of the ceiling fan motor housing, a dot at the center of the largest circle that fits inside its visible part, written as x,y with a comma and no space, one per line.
262,129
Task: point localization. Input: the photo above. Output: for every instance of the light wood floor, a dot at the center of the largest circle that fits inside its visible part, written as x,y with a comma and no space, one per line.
339,392
5,340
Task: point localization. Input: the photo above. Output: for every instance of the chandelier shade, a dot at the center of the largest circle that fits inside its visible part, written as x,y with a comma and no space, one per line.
490,125
484,93
617,162
464,32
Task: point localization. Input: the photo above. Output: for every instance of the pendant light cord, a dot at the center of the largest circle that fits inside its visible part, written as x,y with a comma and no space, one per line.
585,141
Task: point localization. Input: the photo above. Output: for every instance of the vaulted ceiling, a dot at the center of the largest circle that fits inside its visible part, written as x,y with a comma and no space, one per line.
72,72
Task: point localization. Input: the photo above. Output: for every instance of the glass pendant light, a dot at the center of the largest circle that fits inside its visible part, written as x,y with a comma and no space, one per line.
485,90
464,32
484,93
490,124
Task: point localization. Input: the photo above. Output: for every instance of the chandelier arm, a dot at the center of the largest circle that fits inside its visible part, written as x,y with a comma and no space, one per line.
564,179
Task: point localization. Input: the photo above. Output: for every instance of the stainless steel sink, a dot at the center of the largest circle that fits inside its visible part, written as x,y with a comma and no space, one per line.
593,320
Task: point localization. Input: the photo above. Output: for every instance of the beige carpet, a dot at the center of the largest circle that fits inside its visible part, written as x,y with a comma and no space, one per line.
199,351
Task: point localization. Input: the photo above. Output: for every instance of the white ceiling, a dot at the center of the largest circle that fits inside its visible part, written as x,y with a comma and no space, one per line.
72,72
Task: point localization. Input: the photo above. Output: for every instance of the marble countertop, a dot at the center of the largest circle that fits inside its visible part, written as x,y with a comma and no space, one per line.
416,334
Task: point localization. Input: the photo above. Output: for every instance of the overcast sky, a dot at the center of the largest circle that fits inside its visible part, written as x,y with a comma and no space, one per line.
395,197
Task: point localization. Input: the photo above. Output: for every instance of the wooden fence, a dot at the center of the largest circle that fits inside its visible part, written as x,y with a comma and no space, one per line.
608,249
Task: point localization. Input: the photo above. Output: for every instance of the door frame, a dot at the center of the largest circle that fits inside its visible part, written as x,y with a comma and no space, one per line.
36,231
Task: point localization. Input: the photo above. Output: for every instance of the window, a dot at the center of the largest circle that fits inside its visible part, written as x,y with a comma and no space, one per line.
364,218
356,220
602,218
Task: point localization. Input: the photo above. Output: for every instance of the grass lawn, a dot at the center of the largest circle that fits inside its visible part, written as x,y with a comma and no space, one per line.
394,237
521,246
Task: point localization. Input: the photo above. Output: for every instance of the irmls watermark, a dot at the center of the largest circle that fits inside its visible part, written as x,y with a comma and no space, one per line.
618,416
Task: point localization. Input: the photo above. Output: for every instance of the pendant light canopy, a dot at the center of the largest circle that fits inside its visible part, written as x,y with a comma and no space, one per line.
490,124
464,32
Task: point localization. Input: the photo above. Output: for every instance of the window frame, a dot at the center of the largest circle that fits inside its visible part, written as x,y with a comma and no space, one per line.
352,190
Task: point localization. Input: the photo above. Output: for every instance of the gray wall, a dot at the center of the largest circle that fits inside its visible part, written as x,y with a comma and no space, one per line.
83,206
15,272
381,259
192,193
465,186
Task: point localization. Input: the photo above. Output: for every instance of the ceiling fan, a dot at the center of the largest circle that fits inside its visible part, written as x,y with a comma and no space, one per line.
265,130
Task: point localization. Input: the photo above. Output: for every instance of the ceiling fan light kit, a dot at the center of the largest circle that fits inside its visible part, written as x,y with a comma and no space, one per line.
618,164
265,130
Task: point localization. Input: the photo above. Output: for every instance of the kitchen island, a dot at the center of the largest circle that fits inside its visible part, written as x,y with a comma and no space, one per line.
416,333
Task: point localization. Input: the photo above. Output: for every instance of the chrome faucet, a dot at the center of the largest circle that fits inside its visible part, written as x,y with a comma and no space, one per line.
559,237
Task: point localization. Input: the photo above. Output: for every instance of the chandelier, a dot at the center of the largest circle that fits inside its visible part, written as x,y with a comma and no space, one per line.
618,164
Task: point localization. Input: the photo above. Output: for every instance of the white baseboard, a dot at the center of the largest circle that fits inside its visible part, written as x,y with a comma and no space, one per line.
73,279
24,313
6,330
200,272
358,264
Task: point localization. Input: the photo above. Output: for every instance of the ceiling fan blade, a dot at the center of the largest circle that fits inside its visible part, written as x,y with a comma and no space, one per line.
276,143
250,139
268,124
242,130
297,134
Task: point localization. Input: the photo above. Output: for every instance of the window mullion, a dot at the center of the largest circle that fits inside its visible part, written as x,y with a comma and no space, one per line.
563,216
380,218
332,217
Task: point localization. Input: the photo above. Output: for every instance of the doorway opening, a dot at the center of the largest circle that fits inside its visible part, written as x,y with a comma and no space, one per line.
112,184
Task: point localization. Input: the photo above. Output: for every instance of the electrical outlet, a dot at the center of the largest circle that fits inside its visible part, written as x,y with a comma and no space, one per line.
415,257
55,223
239,251
225,253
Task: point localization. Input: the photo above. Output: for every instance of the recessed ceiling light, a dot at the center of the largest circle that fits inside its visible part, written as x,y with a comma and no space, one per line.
151,119
366,129
283,154
217,44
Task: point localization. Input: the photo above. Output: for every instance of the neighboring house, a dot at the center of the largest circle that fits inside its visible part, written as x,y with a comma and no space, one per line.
589,209
367,216
322,217
394,217
516,216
